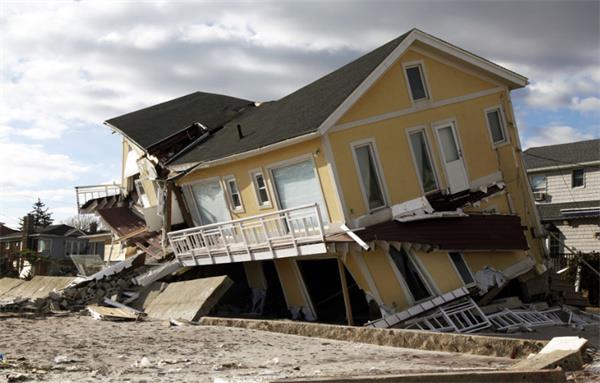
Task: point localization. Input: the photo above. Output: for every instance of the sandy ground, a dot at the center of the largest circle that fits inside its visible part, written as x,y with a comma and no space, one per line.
80,349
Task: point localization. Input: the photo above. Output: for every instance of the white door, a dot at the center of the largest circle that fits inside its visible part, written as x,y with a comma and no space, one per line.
210,201
297,185
452,158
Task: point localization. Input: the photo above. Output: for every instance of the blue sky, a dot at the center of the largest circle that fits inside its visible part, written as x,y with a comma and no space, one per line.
65,67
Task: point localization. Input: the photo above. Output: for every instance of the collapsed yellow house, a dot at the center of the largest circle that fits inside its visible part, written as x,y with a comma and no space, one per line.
390,181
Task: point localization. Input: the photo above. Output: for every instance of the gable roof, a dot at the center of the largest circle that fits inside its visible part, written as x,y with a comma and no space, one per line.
151,125
570,154
294,115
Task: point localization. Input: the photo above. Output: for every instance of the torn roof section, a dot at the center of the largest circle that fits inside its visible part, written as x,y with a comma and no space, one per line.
474,232
149,126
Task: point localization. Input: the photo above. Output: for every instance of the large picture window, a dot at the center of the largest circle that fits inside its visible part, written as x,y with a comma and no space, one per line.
423,161
298,185
210,201
369,176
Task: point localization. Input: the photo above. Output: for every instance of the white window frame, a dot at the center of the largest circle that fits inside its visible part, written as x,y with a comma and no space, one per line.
293,161
49,249
421,65
458,272
266,205
423,128
583,184
380,175
196,217
421,270
227,180
545,183
503,126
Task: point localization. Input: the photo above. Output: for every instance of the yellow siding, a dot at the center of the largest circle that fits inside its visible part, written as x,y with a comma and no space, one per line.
440,268
241,170
390,91
357,273
395,155
389,287
499,260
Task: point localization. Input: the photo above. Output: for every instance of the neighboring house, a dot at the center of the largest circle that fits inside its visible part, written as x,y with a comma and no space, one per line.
565,180
396,177
54,242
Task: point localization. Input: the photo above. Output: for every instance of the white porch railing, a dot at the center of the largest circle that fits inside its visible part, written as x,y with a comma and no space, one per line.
86,193
284,233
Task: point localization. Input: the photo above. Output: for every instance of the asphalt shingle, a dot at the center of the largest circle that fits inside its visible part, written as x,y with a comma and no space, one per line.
562,154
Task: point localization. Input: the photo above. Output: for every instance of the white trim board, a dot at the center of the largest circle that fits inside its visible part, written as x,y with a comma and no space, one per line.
418,107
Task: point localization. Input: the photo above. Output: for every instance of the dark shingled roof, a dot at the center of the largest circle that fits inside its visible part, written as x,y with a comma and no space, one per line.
474,232
294,115
552,211
153,124
562,154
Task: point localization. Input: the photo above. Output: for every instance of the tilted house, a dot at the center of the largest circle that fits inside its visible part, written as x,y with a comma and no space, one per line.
395,178
565,180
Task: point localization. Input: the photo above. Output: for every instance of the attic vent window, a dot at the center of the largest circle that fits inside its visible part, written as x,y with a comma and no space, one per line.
416,82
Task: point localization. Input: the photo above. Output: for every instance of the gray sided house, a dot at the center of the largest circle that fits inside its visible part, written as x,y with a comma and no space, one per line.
56,243
565,180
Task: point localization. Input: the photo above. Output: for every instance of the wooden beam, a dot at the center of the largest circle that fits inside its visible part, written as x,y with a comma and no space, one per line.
347,305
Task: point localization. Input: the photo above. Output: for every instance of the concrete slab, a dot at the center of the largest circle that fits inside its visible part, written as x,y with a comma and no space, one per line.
188,299
544,376
38,287
7,284
564,352
414,339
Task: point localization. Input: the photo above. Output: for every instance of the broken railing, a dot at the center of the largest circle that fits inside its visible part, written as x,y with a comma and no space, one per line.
284,233
86,193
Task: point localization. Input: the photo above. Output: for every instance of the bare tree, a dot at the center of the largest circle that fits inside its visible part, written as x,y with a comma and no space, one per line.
82,221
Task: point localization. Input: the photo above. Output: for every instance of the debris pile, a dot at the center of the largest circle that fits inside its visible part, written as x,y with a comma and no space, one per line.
456,311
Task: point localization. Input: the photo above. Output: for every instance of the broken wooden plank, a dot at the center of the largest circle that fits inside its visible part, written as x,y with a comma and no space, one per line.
112,313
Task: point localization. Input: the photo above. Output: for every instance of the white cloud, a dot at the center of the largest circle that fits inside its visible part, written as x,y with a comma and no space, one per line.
588,104
26,165
558,134
53,195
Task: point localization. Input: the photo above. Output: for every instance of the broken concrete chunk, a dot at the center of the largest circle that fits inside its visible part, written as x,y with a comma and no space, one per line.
188,300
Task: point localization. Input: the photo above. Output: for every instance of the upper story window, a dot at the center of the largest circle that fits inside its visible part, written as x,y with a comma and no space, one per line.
368,170
495,123
416,82
234,194
422,157
260,186
577,178
538,183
